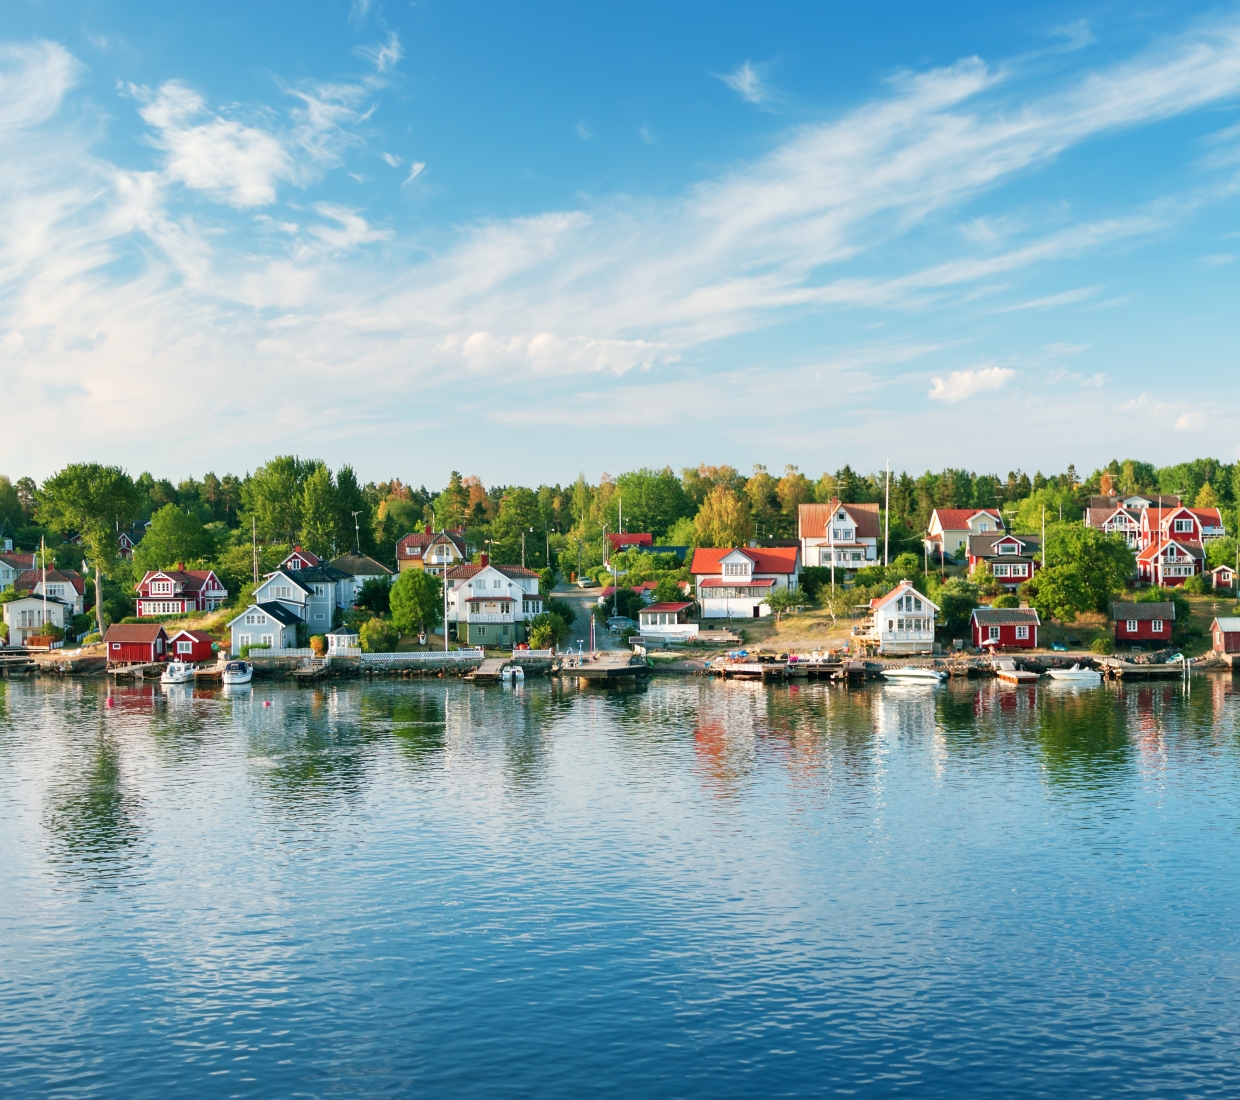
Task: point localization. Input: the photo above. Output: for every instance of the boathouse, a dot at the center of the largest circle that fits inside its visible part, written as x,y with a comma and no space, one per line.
136,643
1005,628
191,645
1225,634
1143,623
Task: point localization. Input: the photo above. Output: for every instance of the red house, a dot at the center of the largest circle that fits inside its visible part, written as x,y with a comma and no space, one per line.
1226,635
1005,628
625,541
178,591
191,645
136,643
1010,557
1143,623
1224,576
301,559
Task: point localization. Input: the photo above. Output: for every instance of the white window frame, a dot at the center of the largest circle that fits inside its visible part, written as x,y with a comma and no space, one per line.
992,633
1022,633
1131,625
1156,626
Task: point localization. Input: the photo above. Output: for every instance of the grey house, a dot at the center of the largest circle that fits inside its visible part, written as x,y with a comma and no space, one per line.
270,624
311,594
358,568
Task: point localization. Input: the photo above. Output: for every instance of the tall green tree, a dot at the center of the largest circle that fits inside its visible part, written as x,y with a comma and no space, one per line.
519,512
10,505
351,534
653,501
1086,568
272,497
93,500
174,536
416,601
320,514
723,520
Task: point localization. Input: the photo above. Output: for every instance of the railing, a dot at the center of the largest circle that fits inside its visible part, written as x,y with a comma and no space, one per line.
259,652
519,653
489,618
429,657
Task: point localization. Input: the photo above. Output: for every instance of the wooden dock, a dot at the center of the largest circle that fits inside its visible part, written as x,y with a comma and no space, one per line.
614,666
488,672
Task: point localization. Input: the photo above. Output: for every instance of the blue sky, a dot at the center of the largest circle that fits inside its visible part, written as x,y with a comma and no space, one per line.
523,241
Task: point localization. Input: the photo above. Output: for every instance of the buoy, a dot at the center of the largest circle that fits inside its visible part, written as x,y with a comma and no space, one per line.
111,701
266,702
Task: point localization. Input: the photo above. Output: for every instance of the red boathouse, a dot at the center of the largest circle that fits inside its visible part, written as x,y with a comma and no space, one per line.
136,643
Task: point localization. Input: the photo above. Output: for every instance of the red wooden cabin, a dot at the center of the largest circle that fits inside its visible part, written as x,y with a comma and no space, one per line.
1226,635
136,643
1005,628
191,645
1143,623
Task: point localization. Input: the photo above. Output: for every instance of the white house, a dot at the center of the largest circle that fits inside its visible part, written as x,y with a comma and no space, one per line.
65,585
732,583
949,528
492,605
846,534
667,621
358,569
265,624
26,615
902,621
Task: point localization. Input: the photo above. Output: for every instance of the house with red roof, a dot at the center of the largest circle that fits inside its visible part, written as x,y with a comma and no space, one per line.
66,585
191,646
1223,576
667,621
1116,515
732,583
949,529
430,550
492,605
1004,627
623,541
902,621
179,591
845,536
12,565
136,643
1172,542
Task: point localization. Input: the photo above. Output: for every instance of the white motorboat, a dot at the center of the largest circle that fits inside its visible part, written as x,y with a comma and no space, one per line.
513,674
177,672
911,675
1075,675
237,672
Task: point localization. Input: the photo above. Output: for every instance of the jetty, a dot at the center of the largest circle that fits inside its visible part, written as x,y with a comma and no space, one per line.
611,666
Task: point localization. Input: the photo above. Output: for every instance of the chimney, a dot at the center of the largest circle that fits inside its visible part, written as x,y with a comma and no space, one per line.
296,549
426,530
180,567
484,560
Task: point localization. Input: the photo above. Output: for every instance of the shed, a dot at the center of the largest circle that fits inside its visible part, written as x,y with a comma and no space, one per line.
341,640
136,643
191,645
1226,635
1136,623
1005,627
1224,576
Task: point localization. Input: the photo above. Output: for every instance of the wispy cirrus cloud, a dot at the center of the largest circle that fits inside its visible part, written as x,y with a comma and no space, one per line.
963,384
747,81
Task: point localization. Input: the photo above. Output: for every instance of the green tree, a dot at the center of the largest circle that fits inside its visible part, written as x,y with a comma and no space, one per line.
93,500
956,599
377,635
783,600
320,514
547,630
273,497
1029,512
174,536
653,501
723,520
1092,566
10,505
519,512
452,504
350,499
416,601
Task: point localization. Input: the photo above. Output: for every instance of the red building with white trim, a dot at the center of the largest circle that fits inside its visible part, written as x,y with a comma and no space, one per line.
1143,623
179,591
191,646
1010,557
1005,628
136,643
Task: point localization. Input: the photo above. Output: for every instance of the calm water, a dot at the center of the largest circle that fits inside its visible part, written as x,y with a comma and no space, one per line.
696,890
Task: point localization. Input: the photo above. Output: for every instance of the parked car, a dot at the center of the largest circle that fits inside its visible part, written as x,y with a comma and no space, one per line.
585,582
1059,647
617,623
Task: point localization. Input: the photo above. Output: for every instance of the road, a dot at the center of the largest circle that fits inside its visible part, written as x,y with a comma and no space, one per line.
585,600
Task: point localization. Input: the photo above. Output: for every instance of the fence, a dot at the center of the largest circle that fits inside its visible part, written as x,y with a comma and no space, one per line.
430,657
258,653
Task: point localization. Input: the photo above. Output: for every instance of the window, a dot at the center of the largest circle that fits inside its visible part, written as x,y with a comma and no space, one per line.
269,640
983,526
891,624
1183,524
736,569
1131,626
161,587
294,563
244,639
1020,570
1001,570
992,633
185,647
1156,626
1008,548
1022,633
319,615
116,645
482,630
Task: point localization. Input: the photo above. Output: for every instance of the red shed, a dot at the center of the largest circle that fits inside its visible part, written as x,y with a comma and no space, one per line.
136,643
1005,627
1140,623
190,645
1226,635
1224,577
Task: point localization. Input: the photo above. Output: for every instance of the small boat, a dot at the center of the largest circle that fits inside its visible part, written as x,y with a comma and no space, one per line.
1075,675
237,672
910,675
1007,671
512,674
177,672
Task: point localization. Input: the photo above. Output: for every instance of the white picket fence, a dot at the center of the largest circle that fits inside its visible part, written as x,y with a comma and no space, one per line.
430,657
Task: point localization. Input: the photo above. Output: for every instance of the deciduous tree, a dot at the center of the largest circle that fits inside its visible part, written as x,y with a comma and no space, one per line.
174,536
416,601
723,519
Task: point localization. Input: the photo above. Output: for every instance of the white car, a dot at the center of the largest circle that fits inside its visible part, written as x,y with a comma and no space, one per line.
585,582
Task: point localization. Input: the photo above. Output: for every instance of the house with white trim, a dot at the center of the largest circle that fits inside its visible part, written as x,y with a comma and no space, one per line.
179,591
949,529
846,535
734,583
1009,557
491,605
270,624
902,621
26,615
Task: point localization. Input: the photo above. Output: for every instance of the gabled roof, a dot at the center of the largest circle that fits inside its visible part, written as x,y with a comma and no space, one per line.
305,555
277,611
1166,500
423,539
983,546
466,570
814,519
27,579
1097,517
293,575
197,635
1156,549
957,519
1124,610
18,561
1208,517
324,574
1227,625
191,580
902,589
774,559
1006,616
134,632
1223,568
633,539
360,565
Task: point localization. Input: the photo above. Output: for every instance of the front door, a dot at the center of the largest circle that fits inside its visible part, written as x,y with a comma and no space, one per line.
756,611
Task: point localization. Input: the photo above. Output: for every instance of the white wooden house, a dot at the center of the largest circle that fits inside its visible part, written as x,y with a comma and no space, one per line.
902,621
733,583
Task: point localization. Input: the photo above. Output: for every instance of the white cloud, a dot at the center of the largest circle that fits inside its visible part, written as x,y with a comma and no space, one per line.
392,160
415,170
746,81
385,55
962,384
237,164
1188,422
34,78
1063,298
583,131
1220,260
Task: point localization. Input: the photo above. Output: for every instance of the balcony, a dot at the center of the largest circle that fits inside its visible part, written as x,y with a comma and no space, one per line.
493,617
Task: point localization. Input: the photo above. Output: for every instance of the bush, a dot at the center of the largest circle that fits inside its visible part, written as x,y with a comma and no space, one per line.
375,596
82,623
1101,645
550,628
1195,586
565,609
542,636
246,650
1006,600
318,642
378,636
93,637
626,602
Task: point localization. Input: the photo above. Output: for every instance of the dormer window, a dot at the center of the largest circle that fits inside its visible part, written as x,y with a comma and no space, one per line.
1184,525
294,563
841,517
1008,548
984,525
736,569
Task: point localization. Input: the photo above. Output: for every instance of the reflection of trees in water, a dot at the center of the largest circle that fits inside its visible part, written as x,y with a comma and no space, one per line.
1084,738
92,820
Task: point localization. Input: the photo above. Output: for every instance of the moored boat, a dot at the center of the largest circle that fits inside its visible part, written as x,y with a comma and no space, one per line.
1007,671
177,672
909,674
512,674
237,672
1075,675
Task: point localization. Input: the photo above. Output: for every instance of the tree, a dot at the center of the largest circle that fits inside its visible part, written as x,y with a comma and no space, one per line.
92,500
1092,566
350,499
174,536
518,511
27,495
375,595
783,600
377,636
320,518
723,520
956,599
273,497
1029,512
547,630
1206,497
667,590
416,601
762,491
451,505
10,505
793,490
653,500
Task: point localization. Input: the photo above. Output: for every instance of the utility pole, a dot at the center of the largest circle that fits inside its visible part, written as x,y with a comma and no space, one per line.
43,560
1043,536
254,545
445,601
887,515
357,528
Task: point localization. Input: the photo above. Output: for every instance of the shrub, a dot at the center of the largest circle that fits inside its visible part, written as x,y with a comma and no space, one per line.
4,633
318,642
246,650
1101,645
548,627
565,609
378,636
1006,600
1195,586
542,636
93,637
